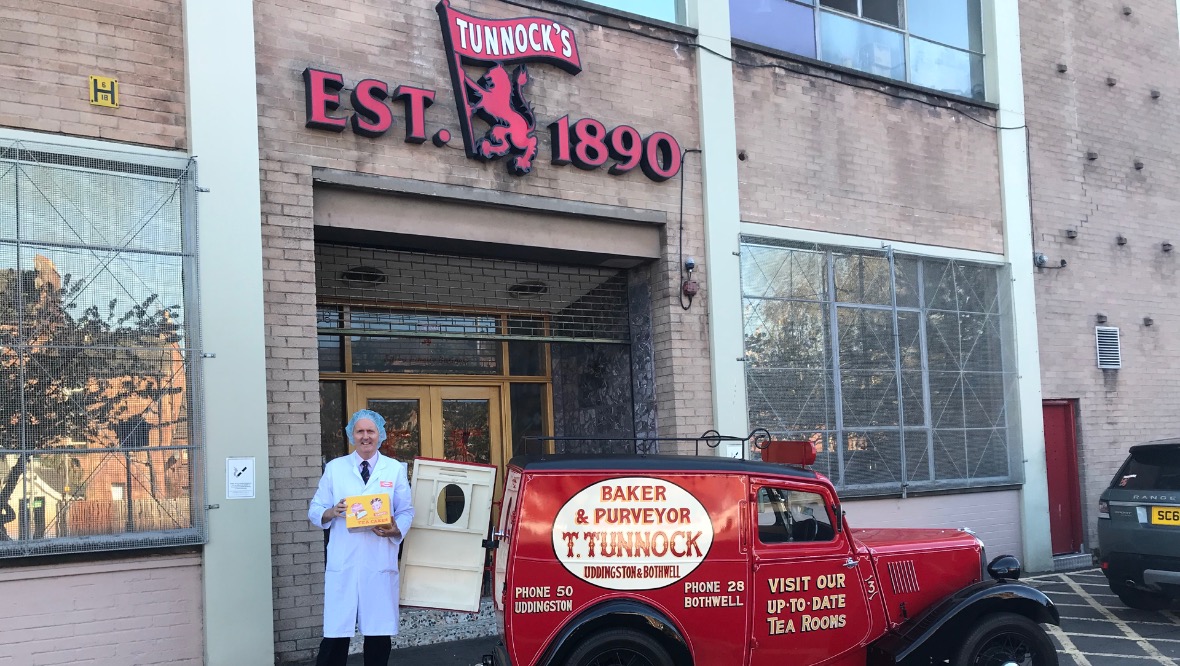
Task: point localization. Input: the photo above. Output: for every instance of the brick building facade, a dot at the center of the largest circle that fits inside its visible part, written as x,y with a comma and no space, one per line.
1104,196
858,229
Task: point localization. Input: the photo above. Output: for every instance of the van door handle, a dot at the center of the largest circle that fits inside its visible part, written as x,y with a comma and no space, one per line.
850,563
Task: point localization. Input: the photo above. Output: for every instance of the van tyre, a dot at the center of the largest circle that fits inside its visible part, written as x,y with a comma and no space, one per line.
1140,599
619,647
1006,638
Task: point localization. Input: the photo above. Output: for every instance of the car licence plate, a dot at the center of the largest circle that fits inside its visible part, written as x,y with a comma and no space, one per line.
1165,515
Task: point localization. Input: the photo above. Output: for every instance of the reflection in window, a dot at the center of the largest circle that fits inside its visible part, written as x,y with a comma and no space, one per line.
780,24
937,44
858,45
663,10
94,352
792,516
913,395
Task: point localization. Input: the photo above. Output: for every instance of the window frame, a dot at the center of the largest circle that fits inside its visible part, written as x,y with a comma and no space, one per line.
837,431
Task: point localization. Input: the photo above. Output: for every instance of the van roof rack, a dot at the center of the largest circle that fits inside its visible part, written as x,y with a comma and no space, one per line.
758,445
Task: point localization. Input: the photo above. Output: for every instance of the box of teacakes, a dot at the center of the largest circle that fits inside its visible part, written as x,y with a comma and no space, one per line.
367,511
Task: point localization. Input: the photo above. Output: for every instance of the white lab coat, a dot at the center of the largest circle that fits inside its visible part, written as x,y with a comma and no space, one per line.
361,579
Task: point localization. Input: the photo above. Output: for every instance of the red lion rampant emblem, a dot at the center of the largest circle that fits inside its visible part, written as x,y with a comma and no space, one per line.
497,97
499,100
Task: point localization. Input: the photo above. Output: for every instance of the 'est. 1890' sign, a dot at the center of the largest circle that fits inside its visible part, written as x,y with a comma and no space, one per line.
497,98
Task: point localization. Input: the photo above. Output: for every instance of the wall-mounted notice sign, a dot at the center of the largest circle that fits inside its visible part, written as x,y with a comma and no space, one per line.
239,478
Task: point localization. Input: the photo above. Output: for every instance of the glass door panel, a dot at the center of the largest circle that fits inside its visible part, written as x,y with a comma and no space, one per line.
406,409
470,424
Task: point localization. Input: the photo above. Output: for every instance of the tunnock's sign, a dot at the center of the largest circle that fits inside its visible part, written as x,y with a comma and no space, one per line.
496,100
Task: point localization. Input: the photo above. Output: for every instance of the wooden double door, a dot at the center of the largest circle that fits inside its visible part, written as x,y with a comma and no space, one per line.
463,422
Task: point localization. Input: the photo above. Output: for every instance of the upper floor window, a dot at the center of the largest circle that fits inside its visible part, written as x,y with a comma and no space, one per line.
664,10
932,43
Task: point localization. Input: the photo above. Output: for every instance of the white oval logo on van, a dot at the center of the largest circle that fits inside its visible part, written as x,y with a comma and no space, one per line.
633,533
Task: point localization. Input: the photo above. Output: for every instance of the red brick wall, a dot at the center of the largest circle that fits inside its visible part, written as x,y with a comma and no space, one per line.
50,48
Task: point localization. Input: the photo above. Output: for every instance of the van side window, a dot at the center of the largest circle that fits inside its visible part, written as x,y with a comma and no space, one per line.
792,516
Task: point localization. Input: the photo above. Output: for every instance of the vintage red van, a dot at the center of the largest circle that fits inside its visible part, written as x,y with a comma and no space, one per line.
678,560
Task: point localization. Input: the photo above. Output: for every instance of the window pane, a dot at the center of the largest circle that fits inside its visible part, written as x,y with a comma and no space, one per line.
433,356
842,5
949,70
775,272
333,443
403,434
526,358
885,11
528,418
331,353
778,24
664,10
467,431
952,22
786,516
858,45
862,278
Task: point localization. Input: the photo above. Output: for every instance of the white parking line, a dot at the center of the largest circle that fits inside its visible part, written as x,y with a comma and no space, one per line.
1123,626
1068,647
1101,619
1122,638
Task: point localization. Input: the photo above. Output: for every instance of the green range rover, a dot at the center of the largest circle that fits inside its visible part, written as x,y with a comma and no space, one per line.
1139,527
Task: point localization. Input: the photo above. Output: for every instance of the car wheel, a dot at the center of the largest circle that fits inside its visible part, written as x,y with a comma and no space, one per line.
619,647
1006,638
1140,599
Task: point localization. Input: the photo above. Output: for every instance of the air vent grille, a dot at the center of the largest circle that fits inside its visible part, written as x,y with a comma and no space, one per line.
904,577
1110,354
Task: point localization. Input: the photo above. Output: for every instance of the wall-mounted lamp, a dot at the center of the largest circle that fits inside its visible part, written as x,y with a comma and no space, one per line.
1071,233
1100,318
1121,239
689,288
1148,321
1167,247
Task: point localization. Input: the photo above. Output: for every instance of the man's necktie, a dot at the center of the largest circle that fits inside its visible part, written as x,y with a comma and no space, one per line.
365,470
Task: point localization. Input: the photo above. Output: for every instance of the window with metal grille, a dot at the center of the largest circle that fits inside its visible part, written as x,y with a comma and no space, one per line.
1110,353
892,364
97,444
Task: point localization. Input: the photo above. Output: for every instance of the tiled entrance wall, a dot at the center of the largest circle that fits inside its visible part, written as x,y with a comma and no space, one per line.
632,75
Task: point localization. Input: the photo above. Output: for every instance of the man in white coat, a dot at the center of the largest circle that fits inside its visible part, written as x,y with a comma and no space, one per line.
361,578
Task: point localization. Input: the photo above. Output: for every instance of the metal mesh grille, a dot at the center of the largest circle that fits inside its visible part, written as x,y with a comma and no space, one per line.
97,441
466,297
893,365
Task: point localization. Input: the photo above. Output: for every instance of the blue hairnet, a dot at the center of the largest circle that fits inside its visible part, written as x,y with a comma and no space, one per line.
366,414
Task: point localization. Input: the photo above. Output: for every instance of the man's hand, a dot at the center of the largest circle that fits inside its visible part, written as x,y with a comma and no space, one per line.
388,532
335,511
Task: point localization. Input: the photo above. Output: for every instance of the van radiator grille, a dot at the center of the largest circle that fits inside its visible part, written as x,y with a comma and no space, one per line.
903,576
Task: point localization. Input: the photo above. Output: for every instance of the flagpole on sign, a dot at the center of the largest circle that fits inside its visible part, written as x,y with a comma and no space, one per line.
458,76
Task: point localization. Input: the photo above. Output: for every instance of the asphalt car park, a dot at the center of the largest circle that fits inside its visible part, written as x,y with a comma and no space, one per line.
1097,629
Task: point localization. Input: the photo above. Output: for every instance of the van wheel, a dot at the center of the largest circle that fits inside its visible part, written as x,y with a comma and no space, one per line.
1006,638
1140,599
619,647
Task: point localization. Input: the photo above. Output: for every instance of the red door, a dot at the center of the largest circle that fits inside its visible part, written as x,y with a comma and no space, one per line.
1061,461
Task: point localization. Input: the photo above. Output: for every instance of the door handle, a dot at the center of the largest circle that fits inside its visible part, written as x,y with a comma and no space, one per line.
850,563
